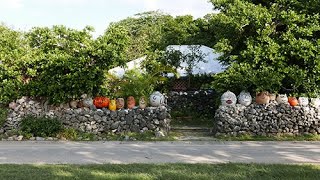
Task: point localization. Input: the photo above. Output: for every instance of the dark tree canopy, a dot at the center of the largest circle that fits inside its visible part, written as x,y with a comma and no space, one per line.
278,38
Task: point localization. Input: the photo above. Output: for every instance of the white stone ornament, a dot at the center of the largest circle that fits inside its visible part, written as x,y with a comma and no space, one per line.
282,99
245,98
315,102
228,99
303,101
87,102
156,99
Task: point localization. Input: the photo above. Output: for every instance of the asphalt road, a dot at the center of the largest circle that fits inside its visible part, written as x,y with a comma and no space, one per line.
36,152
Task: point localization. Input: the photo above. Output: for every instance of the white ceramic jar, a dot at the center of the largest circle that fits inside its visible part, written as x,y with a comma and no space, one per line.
228,99
156,99
245,98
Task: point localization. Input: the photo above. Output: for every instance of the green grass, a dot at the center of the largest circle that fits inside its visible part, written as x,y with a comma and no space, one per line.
160,171
271,138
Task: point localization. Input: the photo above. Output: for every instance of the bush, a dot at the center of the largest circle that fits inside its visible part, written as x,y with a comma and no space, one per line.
69,133
133,83
3,116
270,46
41,126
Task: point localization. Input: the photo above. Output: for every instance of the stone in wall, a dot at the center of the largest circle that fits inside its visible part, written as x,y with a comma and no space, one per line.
91,120
263,120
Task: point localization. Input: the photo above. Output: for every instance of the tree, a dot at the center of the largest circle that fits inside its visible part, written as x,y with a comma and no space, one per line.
67,63
151,31
13,50
279,36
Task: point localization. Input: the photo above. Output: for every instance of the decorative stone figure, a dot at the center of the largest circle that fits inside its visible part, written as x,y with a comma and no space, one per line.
262,98
101,102
73,104
156,99
112,105
303,101
244,98
80,104
315,102
131,102
293,101
228,99
272,97
12,105
120,103
282,99
87,102
142,102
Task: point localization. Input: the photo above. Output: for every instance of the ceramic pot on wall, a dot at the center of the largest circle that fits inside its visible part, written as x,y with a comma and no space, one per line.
156,99
87,102
142,102
80,104
244,98
101,102
131,102
293,101
228,99
303,101
120,103
113,105
73,104
12,105
262,98
282,99
272,97
315,102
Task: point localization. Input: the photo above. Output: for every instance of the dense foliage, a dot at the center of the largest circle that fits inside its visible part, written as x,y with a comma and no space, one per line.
58,63
12,52
154,31
269,45
41,126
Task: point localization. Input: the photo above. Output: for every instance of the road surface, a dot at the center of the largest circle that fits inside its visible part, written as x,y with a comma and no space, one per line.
60,152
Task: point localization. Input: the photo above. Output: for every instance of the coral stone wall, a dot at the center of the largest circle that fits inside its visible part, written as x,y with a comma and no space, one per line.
264,120
92,120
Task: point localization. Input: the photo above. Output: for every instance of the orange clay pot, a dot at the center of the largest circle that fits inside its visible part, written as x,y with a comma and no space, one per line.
131,102
262,98
101,102
293,101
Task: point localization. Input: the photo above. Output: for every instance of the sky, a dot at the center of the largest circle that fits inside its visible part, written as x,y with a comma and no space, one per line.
24,14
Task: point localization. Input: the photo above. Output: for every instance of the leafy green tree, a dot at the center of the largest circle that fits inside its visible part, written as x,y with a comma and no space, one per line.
13,50
279,37
151,31
67,62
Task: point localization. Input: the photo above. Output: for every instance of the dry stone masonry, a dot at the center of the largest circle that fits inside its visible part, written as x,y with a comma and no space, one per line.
263,120
91,120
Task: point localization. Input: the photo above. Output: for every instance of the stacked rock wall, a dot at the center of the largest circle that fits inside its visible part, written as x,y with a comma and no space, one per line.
91,120
269,119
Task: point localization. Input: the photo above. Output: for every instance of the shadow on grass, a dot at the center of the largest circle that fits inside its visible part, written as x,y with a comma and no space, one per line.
160,171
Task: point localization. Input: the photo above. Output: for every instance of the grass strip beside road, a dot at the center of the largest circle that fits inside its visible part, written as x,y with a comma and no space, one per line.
160,171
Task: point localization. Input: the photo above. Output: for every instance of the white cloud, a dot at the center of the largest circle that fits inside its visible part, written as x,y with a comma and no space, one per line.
197,8
11,4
